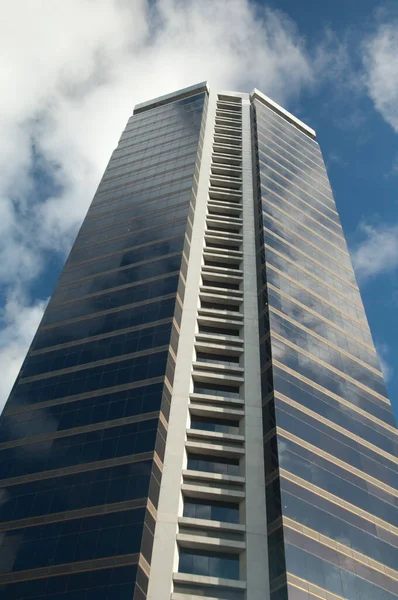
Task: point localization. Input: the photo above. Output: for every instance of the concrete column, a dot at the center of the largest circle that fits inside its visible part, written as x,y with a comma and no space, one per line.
254,507
165,553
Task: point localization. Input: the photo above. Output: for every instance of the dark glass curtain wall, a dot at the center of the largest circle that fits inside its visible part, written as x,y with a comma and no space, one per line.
82,435
328,426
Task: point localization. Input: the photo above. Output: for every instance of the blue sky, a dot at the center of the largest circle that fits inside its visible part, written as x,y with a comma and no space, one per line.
72,72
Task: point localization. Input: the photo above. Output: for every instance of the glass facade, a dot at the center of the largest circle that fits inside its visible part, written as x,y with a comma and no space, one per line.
86,469
83,433
330,445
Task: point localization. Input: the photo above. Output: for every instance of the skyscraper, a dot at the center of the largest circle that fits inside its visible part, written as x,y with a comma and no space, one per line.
201,413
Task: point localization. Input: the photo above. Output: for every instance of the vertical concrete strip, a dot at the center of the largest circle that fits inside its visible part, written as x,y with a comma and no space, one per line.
255,508
165,554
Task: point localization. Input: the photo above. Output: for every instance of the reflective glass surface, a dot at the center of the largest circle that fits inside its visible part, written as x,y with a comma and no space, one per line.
331,444
211,564
79,433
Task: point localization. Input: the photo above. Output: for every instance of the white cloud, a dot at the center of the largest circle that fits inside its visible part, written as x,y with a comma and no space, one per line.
383,352
377,252
19,322
381,71
70,74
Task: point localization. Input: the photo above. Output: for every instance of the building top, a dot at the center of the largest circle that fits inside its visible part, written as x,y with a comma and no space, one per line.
183,93
203,87
282,112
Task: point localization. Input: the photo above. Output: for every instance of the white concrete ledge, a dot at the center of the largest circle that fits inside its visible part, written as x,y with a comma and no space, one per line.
184,596
203,492
209,366
216,450
219,378
218,412
217,477
210,399
206,523
233,584
201,542
222,293
220,313
209,337
223,320
227,437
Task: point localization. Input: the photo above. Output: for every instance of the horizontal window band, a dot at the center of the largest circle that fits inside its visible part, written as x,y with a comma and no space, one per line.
127,185
272,118
102,336
120,159
336,427
268,183
165,128
339,399
300,174
165,120
92,217
268,149
315,231
331,368
115,201
136,164
83,396
328,270
307,256
141,171
352,508
283,139
79,430
321,317
317,296
114,289
116,198
294,183
93,466
270,174
270,140
81,513
321,281
302,210
147,182
277,145
92,365
70,568
336,461
179,204
99,243
319,538
310,588
77,266
110,311
325,341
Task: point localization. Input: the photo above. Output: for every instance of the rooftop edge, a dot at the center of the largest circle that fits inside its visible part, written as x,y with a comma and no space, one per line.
178,95
283,113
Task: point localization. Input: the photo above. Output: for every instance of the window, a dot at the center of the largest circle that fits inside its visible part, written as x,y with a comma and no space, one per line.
211,564
228,512
217,358
211,424
219,306
209,464
218,330
215,389
221,284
